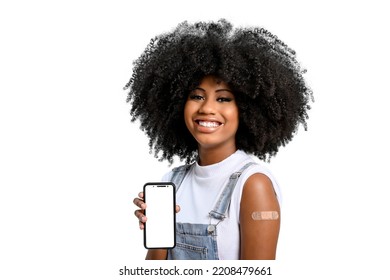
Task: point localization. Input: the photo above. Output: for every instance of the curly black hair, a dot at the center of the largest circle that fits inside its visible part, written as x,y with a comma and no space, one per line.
271,93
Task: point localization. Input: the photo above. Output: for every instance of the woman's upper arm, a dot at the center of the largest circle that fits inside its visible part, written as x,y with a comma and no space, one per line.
259,219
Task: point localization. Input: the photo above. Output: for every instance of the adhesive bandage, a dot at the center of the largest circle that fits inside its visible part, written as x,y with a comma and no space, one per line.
265,215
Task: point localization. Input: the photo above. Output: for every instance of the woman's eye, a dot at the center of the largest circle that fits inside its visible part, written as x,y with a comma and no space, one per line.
224,99
196,97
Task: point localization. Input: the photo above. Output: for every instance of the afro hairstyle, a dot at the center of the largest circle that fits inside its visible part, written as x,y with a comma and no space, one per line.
270,91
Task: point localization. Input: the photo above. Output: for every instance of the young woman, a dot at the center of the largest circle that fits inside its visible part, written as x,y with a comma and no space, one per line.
214,97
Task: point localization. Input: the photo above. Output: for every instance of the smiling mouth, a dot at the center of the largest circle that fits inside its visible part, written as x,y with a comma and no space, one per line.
208,123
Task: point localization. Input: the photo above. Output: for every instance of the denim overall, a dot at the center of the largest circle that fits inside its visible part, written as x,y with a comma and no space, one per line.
199,241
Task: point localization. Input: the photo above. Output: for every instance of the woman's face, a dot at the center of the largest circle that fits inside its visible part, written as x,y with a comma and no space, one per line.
211,114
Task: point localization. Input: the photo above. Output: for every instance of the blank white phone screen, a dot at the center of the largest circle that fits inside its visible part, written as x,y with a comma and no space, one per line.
160,212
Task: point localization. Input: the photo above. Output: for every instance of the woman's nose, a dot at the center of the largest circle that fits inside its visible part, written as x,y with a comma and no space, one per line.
207,107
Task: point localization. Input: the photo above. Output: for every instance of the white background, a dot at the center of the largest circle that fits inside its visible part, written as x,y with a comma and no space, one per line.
71,161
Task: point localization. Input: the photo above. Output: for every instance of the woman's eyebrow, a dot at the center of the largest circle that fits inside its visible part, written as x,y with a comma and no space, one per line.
199,88
224,89
218,90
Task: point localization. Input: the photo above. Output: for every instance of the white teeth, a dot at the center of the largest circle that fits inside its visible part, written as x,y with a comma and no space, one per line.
209,124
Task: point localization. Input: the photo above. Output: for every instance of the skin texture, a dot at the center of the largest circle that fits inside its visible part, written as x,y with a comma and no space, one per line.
213,101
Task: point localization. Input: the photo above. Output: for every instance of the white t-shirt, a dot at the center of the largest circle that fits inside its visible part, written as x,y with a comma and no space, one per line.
200,190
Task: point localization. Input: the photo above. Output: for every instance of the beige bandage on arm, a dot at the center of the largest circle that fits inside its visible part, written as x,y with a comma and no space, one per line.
265,215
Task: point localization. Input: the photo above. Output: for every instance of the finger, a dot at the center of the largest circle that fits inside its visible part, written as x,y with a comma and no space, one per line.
140,203
177,209
141,195
140,215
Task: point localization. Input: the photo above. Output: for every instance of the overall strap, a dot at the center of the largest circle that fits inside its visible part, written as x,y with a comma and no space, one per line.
178,174
220,208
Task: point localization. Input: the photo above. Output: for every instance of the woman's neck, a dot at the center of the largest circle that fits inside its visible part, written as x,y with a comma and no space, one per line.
213,155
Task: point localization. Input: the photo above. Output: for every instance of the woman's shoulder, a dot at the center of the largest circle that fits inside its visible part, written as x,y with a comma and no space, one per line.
259,175
259,185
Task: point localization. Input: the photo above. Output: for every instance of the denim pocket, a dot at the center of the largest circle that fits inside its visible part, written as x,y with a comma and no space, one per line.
189,252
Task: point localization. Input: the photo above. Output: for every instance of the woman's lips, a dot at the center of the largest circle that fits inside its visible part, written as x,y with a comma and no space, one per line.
207,126
208,123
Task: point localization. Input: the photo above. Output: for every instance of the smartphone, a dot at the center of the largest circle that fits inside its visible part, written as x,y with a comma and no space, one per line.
160,227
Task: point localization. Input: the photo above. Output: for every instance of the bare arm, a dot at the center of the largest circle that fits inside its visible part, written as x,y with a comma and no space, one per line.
259,219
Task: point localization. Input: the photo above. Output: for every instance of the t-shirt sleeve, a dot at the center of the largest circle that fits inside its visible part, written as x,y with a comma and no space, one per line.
263,170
